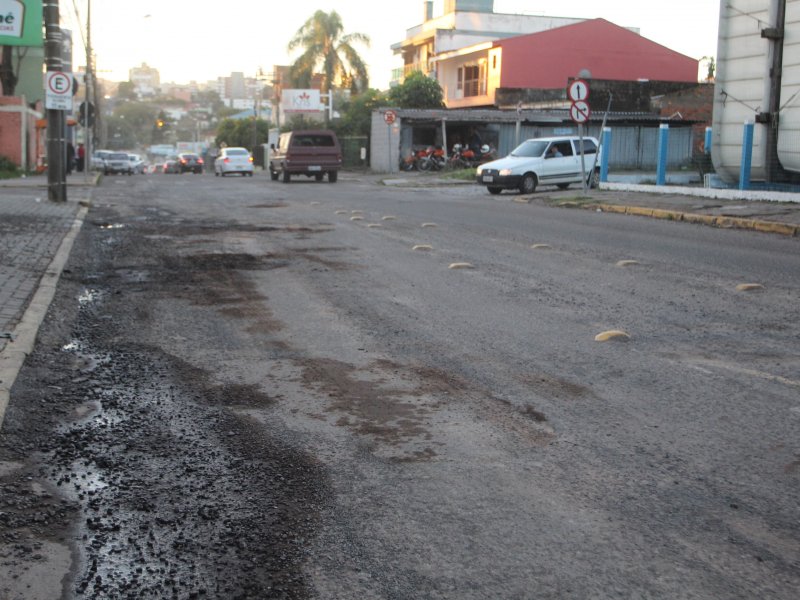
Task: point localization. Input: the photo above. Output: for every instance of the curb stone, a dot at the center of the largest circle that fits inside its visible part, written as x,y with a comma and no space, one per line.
786,229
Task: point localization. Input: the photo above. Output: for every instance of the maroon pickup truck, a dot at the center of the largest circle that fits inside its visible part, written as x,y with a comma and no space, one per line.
312,153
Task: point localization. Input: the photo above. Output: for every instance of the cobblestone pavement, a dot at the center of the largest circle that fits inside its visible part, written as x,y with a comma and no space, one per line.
31,231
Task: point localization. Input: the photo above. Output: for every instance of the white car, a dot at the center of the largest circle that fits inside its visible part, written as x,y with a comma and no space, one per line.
137,164
233,160
98,160
542,161
117,162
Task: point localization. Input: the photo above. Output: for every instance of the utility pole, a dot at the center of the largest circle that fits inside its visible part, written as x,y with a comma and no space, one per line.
88,121
56,143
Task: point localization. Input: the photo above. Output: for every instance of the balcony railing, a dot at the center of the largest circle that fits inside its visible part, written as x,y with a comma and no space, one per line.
399,75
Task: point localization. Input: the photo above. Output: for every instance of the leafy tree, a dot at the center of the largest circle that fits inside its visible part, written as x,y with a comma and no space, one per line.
138,119
8,78
357,113
239,132
711,67
417,91
126,91
121,133
210,98
162,127
325,46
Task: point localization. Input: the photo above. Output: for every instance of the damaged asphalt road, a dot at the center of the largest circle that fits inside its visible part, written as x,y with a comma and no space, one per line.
133,460
247,389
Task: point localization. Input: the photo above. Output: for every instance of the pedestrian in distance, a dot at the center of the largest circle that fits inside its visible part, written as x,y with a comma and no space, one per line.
81,157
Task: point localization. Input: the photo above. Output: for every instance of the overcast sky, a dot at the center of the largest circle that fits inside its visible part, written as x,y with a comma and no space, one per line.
203,39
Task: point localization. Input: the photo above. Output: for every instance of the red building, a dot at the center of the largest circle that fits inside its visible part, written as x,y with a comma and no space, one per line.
548,59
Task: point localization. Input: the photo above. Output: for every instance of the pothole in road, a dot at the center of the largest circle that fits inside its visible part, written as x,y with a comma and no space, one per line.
178,494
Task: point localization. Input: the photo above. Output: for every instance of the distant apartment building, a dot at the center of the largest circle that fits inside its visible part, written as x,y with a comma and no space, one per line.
245,93
463,24
145,79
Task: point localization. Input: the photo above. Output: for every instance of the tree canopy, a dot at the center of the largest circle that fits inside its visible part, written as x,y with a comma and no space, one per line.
239,132
327,49
417,91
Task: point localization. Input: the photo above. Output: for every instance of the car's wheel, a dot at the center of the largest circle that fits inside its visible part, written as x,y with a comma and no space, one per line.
562,186
250,174
286,177
319,176
527,184
594,179
333,176
273,175
494,190
216,173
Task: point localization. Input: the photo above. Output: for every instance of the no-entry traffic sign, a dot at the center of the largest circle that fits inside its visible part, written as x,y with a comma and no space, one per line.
390,117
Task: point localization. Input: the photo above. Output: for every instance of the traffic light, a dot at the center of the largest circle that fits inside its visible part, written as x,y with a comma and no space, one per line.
86,114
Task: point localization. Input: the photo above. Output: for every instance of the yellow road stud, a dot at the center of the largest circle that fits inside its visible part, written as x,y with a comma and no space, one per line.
749,287
612,334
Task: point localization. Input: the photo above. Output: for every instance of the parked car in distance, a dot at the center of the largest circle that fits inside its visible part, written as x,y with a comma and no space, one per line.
137,163
98,162
313,153
117,162
233,160
170,166
542,161
188,162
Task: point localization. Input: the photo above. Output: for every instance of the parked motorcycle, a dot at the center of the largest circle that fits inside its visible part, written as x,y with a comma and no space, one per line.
433,159
465,158
408,162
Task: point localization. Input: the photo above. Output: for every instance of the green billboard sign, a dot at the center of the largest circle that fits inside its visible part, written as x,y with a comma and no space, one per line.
21,23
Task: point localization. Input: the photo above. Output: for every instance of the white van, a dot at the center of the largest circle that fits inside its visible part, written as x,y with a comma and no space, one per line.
542,161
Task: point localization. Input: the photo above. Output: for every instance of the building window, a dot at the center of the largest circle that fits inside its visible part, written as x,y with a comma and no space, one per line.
472,80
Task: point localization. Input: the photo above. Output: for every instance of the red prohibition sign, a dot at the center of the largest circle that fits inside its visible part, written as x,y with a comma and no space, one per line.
579,111
59,83
390,117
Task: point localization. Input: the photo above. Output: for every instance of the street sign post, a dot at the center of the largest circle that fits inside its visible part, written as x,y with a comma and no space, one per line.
579,112
389,117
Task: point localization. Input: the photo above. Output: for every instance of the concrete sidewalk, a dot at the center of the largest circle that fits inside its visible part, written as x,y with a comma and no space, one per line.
36,236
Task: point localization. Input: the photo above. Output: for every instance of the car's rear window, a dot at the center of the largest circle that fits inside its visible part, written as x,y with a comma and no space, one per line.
118,156
307,139
588,146
236,152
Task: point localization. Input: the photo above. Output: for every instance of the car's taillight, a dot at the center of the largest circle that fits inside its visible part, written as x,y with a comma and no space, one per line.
226,160
183,161
250,159
199,161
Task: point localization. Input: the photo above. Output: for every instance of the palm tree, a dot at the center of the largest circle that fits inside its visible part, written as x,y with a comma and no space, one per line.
324,46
